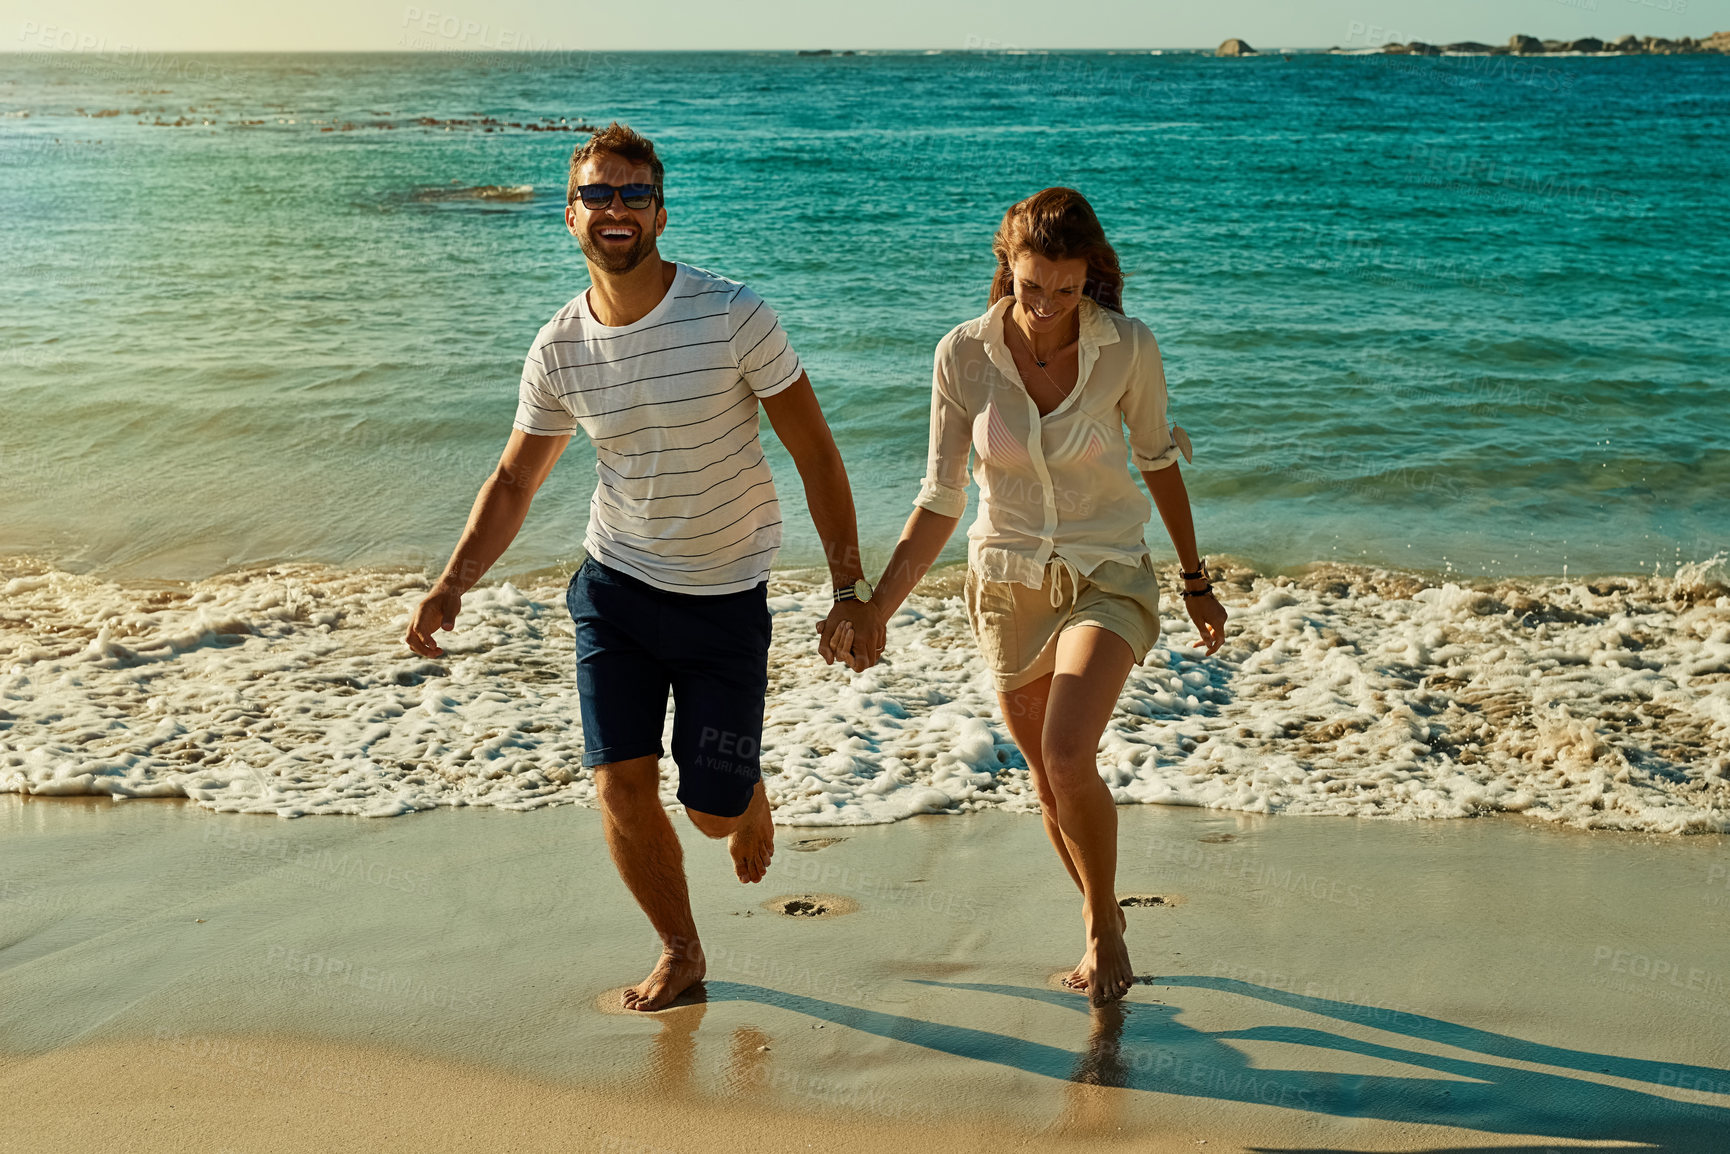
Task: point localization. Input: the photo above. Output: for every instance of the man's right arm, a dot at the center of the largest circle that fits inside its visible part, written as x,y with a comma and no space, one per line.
494,521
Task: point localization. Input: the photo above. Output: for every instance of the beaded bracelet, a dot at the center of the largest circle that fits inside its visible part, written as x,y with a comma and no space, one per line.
1208,592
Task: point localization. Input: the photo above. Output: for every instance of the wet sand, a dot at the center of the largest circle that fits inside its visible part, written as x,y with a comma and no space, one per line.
172,978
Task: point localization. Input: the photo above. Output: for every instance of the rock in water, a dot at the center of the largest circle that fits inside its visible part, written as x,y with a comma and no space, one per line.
1524,45
1467,46
1586,44
1628,43
1235,47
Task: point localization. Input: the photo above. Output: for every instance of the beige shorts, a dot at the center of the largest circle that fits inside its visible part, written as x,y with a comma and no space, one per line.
1017,627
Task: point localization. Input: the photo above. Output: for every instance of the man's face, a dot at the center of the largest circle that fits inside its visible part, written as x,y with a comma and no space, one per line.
616,239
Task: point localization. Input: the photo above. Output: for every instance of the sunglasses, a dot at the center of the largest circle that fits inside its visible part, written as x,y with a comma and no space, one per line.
599,196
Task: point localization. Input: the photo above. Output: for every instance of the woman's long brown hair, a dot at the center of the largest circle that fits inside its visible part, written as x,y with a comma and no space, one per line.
1058,224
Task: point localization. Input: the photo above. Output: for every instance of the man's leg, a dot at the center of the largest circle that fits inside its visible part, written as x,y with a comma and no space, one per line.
750,836
720,676
649,858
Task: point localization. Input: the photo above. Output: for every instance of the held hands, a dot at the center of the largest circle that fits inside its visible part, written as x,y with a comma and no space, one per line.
1209,617
437,610
854,634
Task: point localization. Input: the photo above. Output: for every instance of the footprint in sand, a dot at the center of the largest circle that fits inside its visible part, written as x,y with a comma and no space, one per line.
813,844
1147,901
811,905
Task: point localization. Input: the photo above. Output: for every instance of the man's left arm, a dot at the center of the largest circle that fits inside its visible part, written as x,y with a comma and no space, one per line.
798,421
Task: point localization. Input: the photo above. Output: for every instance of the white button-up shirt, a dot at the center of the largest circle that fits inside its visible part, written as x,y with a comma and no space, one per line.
1052,486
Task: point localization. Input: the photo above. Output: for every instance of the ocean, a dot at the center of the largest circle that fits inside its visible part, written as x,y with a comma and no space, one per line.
1456,318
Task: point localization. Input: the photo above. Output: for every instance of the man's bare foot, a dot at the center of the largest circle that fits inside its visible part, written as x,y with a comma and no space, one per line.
1077,979
753,843
1105,964
672,976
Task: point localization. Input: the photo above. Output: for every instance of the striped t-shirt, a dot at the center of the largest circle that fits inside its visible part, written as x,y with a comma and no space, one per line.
685,501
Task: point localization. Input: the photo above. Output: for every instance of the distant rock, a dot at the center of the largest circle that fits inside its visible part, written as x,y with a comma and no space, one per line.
1522,45
816,52
1234,47
518,192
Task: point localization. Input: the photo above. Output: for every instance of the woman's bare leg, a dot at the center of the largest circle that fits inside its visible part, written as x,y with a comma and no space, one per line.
1024,715
1092,665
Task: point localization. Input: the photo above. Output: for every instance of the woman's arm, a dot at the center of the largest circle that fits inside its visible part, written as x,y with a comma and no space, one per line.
937,510
1172,501
921,541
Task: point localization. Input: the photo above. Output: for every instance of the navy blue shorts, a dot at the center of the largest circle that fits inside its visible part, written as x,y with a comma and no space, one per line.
635,642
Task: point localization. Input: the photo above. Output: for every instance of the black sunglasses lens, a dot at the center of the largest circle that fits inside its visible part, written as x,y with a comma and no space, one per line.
595,195
638,195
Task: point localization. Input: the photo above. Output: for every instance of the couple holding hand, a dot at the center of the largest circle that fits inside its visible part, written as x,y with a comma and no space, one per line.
664,367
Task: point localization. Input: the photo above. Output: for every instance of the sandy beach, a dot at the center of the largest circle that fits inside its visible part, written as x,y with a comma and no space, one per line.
221,981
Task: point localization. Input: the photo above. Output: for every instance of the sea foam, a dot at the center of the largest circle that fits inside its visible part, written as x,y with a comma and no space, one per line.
288,691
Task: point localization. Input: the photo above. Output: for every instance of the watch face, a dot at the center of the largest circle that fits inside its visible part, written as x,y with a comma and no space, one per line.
862,590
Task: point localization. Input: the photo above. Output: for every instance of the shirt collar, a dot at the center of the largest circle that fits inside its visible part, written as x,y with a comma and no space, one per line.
1097,328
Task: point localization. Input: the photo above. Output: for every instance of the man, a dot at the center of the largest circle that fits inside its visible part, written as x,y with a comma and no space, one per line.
663,366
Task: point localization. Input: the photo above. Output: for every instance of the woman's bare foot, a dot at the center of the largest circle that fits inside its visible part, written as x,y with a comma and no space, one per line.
1105,964
672,976
753,843
1077,979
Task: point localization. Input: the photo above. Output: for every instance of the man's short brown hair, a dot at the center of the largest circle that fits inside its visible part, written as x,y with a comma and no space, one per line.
624,142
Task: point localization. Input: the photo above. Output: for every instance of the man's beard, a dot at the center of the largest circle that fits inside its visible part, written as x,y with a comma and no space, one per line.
611,259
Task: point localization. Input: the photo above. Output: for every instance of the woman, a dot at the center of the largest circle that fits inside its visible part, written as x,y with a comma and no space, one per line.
1060,590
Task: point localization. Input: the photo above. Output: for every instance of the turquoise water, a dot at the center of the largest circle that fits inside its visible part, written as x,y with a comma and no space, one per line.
1458,313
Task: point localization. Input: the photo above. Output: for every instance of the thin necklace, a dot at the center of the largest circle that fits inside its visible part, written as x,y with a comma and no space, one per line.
1035,355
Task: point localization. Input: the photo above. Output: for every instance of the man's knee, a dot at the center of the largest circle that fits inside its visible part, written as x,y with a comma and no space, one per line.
712,825
621,784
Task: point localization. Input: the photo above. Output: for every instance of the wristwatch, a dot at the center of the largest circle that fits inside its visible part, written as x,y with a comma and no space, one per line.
860,590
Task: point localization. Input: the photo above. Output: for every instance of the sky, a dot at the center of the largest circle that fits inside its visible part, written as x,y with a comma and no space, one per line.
457,25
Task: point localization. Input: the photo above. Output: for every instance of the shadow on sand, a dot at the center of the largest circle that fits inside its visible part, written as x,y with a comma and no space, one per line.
1139,1046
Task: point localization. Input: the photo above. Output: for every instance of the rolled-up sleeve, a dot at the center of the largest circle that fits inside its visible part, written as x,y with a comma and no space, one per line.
1144,403
944,490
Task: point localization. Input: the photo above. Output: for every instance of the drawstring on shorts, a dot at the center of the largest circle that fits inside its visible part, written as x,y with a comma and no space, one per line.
1062,565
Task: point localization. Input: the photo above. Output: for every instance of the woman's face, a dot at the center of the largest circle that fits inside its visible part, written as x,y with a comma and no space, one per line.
1047,291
